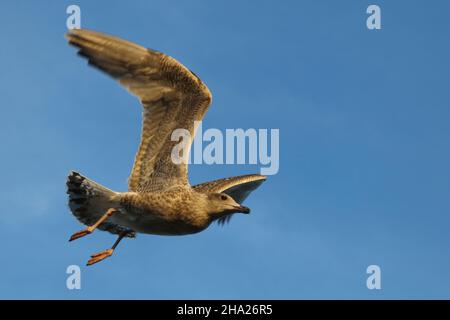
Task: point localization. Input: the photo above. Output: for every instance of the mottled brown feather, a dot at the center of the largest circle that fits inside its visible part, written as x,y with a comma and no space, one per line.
172,98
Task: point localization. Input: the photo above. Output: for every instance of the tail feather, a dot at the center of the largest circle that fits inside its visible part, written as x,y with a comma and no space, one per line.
89,200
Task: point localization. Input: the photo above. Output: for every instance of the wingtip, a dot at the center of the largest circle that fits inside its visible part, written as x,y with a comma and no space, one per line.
261,177
71,37
69,34
75,33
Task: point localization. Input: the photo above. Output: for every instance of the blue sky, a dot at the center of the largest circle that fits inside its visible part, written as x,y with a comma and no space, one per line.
364,149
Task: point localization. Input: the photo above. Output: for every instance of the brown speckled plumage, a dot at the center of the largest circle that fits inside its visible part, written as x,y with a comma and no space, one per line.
160,199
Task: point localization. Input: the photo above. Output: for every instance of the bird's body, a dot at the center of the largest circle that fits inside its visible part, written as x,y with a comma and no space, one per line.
177,211
159,199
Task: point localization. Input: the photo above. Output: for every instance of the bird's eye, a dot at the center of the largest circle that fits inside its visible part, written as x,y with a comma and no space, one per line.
223,197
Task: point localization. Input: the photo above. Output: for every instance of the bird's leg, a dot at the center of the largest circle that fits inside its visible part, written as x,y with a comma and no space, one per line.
89,229
97,257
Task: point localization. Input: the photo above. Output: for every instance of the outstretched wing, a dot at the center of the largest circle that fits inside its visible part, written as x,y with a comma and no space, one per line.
236,187
172,98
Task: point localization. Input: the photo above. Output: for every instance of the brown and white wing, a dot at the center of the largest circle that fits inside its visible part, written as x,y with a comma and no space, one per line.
171,95
238,188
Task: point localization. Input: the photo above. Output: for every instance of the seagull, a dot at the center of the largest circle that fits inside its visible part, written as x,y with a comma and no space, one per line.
159,199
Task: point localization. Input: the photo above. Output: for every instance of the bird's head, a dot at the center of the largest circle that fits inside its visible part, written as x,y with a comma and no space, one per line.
220,204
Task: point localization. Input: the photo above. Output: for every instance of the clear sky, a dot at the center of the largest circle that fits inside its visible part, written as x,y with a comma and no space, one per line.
364,149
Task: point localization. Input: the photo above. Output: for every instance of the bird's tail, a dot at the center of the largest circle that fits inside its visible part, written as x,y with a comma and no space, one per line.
88,200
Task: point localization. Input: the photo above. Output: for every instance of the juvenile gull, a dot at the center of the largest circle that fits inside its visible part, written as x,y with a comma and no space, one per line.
160,199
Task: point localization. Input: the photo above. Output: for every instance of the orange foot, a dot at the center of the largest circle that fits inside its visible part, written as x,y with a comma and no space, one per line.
80,234
97,257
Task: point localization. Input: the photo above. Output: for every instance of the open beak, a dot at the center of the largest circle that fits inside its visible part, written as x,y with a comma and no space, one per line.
242,209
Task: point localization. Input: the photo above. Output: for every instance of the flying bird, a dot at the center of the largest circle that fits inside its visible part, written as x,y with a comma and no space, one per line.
159,199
